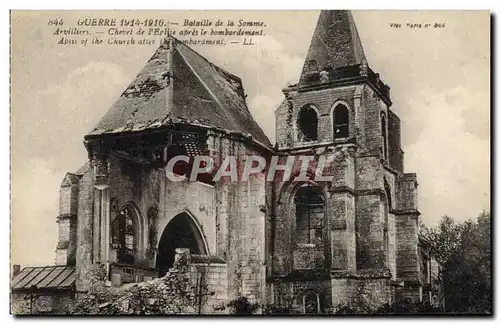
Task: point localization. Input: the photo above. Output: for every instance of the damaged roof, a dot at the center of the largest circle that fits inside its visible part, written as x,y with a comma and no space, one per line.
50,277
179,86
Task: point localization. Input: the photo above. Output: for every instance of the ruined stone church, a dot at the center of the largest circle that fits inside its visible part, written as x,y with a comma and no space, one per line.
309,245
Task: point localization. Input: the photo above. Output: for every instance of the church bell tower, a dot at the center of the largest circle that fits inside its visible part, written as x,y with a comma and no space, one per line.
350,234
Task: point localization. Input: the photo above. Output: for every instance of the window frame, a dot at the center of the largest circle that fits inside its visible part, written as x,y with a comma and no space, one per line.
346,126
298,205
119,234
318,302
300,135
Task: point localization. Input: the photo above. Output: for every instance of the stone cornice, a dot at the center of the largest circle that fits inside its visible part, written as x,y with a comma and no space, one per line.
342,189
410,212
62,245
66,216
301,275
362,274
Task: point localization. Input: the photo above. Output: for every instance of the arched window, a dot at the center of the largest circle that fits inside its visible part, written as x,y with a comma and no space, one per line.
384,134
308,124
309,204
125,236
340,122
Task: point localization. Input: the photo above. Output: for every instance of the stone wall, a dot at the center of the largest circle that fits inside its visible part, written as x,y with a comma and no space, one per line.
372,108
361,293
41,303
67,219
213,281
407,192
85,233
242,206
323,100
408,267
370,214
396,155
290,295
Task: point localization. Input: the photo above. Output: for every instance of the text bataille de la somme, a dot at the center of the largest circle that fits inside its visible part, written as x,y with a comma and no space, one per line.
162,28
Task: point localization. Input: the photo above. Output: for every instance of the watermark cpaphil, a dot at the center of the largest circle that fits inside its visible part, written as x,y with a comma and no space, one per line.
243,167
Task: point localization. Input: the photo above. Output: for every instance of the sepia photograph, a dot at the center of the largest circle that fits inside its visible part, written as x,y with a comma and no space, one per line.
270,162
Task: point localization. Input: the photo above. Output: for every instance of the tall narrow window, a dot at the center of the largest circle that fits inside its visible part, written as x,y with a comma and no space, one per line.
308,124
311,303
340,122
125,235
384,135
309,216
388,193
388,208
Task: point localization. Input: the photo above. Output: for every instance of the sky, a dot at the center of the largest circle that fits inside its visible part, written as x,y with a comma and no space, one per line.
439,79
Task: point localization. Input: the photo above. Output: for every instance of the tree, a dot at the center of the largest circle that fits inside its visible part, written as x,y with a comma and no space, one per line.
464,252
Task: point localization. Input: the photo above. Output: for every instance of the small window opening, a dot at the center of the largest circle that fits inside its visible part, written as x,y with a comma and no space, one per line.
311,303
308,124
384,135
340,122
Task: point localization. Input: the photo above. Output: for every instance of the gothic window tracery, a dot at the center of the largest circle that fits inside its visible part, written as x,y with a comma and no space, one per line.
340,122
125,235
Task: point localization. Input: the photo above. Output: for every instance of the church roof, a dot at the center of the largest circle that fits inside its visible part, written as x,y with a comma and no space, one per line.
70,179
50,277
179,86
84,168
335,42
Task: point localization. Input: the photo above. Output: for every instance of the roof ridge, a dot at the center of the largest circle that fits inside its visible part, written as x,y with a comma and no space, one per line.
207,60
202,94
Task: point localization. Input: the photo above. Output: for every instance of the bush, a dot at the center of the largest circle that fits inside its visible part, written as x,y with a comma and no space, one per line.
242,306
406,306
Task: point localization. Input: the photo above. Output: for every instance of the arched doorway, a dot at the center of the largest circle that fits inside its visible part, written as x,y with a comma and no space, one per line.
180,232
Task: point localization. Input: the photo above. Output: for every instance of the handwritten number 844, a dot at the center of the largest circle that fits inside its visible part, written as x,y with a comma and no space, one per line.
56,22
